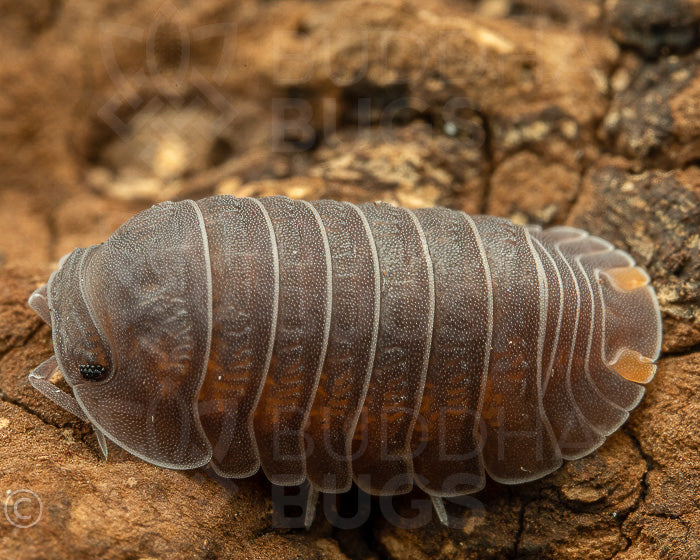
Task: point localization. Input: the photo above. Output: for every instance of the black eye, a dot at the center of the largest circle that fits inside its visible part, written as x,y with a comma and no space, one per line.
92,372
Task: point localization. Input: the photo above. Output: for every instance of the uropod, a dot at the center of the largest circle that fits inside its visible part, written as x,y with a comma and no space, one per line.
333,342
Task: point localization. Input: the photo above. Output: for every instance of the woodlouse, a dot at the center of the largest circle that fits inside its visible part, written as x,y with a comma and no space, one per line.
333,342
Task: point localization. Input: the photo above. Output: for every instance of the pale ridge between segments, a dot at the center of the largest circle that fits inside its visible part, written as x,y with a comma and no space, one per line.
542,331
273,324
375,323
574,336
431,320
329,305
489,335
210,320
598,392
548,368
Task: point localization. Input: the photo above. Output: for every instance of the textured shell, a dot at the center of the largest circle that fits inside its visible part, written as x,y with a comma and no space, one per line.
333,342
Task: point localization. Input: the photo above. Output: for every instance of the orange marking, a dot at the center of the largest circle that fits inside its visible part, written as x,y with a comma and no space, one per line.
628,278
634,367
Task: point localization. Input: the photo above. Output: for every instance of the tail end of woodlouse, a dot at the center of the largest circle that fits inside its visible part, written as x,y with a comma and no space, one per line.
632,322
634,367
628,278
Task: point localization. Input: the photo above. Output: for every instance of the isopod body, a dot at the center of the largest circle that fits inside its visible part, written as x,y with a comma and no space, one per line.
336,342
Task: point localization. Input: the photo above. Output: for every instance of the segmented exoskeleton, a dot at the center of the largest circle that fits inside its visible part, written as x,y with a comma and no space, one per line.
336,342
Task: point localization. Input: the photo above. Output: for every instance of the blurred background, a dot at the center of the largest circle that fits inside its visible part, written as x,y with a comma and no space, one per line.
493,106
584,112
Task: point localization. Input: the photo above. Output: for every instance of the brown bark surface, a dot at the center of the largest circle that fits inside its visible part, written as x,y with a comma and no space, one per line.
584,113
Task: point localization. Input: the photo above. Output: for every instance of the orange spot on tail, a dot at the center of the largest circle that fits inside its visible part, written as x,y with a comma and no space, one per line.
634,367
628,278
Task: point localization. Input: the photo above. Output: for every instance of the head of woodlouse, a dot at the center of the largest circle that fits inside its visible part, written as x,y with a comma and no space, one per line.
128,341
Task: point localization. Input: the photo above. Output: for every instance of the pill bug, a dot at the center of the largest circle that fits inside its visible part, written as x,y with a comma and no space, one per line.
333,342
